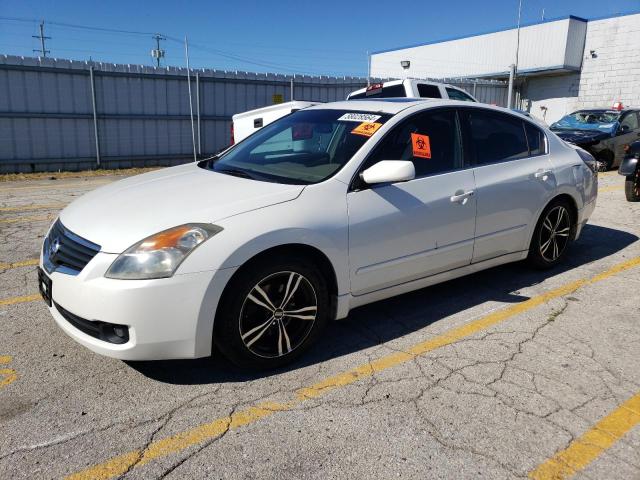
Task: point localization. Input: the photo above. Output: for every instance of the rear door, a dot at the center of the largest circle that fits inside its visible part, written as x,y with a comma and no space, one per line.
514,179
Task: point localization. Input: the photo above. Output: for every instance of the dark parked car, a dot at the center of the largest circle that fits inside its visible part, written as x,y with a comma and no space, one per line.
630,168
603,133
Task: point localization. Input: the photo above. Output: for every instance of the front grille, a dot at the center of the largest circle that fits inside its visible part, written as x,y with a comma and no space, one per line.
66,252
108,332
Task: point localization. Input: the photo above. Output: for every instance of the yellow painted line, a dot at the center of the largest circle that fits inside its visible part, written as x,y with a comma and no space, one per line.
27,219
181,441
610,188
24,299
584,450
7,375
23,263
26,208
52,186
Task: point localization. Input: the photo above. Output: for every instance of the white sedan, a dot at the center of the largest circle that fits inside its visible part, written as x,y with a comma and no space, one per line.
322,211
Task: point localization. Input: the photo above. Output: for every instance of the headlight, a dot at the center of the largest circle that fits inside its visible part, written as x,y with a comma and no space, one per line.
159,255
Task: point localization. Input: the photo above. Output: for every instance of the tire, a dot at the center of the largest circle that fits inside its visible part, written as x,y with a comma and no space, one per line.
251,332
605,160
632,187
552,236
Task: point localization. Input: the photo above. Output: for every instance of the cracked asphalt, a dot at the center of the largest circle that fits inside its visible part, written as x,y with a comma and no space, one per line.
418,386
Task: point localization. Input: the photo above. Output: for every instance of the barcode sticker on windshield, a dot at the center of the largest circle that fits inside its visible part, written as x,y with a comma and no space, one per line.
359,117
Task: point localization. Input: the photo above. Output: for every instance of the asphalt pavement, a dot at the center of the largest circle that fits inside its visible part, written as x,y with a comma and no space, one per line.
508,373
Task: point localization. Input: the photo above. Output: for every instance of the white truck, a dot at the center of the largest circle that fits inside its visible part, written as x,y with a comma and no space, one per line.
245,123
411,88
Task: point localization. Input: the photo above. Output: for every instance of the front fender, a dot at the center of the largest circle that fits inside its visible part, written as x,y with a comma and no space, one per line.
629,165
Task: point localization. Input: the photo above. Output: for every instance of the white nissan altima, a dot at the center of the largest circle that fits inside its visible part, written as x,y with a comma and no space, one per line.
324,210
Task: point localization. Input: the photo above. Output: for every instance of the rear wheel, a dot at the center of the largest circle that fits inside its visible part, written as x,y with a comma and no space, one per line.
271,313
552,235
605,160
632,186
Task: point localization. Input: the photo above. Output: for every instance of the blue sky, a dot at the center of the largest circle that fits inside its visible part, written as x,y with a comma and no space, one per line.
324,37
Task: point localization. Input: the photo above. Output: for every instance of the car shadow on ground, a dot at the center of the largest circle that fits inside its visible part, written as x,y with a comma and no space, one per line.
383,321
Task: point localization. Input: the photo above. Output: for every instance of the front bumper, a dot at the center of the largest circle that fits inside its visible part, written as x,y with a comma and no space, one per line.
166,318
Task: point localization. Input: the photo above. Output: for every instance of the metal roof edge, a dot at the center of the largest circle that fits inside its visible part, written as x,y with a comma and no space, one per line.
528,24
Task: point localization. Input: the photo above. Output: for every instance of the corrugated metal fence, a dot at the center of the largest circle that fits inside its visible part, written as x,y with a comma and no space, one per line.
64,115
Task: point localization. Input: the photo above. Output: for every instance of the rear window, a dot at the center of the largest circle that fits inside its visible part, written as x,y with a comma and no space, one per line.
428,91
392,91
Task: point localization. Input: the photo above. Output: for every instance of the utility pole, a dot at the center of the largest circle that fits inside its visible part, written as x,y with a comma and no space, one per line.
513,69
368,69
193,129
43,51
157,52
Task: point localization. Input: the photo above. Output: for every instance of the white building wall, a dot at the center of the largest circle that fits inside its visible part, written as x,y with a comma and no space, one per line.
555,44
612,75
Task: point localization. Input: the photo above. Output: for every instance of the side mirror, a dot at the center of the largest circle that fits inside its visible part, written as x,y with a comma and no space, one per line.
623,129
389,171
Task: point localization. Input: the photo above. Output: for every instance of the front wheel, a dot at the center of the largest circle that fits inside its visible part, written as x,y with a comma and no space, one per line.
552,235
632,186
271,313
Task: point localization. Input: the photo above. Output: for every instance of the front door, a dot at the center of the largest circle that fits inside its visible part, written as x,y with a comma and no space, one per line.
406,231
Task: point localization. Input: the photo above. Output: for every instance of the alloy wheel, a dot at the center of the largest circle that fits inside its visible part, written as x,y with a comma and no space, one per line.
554,234
278,314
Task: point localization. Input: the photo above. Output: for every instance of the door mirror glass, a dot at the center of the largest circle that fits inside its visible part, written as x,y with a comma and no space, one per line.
624,129
389,171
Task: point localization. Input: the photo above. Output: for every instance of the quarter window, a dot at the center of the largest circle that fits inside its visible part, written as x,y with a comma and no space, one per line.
536,139
430,140
496,137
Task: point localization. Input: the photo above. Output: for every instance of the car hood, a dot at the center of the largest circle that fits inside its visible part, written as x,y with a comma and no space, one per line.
579,137
122,213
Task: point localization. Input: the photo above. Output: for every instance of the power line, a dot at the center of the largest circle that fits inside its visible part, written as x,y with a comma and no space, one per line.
43,51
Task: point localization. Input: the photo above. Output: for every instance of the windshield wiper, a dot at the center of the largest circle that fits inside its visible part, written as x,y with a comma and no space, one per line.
236,172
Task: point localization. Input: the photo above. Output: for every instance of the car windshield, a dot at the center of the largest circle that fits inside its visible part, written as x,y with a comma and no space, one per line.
305,147
603,120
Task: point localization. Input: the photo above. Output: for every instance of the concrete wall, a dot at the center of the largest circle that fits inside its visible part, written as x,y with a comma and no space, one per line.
611,75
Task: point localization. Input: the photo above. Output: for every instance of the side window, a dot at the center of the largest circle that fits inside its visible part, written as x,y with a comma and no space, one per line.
431,140
536,139
455,94
631,121
428,91
495,137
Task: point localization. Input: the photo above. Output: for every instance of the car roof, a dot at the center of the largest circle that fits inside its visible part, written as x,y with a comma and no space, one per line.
396,105
378,105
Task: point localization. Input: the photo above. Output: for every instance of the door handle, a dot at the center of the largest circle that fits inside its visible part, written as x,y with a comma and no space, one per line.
542,174
461,197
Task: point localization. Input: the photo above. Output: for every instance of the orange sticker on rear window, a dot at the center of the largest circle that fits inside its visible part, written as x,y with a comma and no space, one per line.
421,145
366,128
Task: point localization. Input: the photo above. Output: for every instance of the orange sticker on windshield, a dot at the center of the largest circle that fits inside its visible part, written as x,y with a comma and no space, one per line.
366,128
421,145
